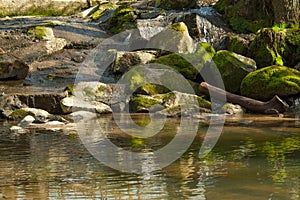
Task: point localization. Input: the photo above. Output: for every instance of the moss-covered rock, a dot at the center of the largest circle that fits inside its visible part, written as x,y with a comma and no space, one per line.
152,89
233,68
41,32
102,8
236,44
176,4
189,65
19,114
143,103
276,46
175,38
263,84
124,18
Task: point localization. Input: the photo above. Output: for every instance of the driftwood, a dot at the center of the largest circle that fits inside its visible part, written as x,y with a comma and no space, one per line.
275,105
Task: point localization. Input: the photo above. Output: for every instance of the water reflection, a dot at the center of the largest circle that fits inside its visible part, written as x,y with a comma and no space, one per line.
247,163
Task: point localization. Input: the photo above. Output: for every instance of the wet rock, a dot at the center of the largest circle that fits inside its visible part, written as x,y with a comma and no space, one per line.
17,130
83,115
26,121
89,11
265,83
233,68
176,4
175,38
12,68
233,109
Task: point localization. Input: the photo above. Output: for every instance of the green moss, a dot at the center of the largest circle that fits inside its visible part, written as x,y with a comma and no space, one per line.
203,103
233,68
179,27
237,45
152,89
124,18
19,114
263,84
38,32
69,90
102,9
189,65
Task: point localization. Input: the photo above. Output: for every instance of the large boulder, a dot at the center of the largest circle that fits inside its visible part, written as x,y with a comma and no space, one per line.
264,83
12,68
175,38
8,103
176,4
276,46
189,65
233,68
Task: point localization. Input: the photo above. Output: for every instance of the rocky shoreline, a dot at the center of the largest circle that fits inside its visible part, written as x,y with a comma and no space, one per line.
112,58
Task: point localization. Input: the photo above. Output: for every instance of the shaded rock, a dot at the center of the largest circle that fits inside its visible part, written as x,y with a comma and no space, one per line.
276,46
176,4
46,101
175,38
89,11
12,68
233,68
267,82
236,44
8,103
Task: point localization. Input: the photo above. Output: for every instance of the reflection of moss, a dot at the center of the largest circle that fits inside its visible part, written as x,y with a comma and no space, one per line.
137,142
69,90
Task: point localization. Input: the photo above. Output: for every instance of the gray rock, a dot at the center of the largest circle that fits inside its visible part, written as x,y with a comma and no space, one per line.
17,130
175,38
8,103
26,121
12,68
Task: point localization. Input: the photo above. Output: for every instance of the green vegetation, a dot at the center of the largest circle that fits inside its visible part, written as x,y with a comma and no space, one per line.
141,103
263,84
124,18
102,9
19,114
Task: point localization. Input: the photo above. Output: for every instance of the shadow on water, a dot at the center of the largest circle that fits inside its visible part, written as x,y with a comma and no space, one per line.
247,163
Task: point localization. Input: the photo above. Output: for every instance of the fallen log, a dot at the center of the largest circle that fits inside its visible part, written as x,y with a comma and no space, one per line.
273,106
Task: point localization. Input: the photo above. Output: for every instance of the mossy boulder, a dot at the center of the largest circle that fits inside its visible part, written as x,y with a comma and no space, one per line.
175,38
123,19
189,65
276,46
168,103
233,68
19,114
264,83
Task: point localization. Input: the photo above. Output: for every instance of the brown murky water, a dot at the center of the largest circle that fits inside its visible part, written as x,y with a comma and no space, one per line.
250,161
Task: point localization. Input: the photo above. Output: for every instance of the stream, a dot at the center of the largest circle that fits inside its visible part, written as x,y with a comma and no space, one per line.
258,160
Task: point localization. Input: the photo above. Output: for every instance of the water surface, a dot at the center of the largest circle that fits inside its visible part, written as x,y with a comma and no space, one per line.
252,160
